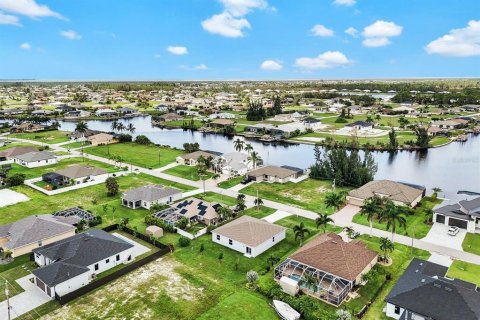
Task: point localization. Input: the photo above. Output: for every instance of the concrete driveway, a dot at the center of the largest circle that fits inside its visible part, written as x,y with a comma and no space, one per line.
277,215
439,236
138,249
345,215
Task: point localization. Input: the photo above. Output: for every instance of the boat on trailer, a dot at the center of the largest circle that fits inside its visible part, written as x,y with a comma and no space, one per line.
284,311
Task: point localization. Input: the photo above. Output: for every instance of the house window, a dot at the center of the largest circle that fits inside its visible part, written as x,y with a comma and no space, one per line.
96,266
230,241
249,250
118,257
107,261
129,258
218,237
397,310
273,239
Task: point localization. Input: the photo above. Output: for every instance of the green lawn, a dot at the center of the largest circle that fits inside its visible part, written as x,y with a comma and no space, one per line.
74,145
471,243
147,156
17,144
187,172
51,137
216,197
227,184
308,194
13,274
416,223
465,271
259,213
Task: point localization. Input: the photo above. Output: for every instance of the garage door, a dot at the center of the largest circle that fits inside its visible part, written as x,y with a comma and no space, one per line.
440,218
40,284
458,223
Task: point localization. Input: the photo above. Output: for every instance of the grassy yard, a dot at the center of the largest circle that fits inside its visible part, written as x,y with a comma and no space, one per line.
74,145
416,223
308,194
51,137
259,213
216,197
13,274
227,184
471,243
17,144
147,156
187,172
465,271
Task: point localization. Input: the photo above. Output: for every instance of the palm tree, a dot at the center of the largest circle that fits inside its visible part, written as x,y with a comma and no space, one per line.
131,128
300,231
120,127
371,209
241,202
322,220
81,128
334,200
272,260
254,158
238,145
387,247
225,212
394,217
309,281
114,125
202,172
436,190
349,231
248,148
258,202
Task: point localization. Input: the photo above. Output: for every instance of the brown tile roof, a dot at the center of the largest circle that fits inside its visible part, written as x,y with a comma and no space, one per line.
394,190
329,253
223,122
250,231
272,171
196,154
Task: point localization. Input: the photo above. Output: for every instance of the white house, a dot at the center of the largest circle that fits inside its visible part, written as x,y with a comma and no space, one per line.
146,196
72,263
248,235
35,159
464,214
234,163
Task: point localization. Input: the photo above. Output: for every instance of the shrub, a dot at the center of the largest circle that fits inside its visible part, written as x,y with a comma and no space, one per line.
124,137
184,241
16,180
112,186
141,139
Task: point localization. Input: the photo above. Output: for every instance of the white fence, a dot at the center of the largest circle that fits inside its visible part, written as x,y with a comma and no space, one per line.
192,236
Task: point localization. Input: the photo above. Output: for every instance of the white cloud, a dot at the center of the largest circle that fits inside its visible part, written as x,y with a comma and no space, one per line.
464,42
28,8
271,65
232,22
321,31
25,46
226,25
179,51
378,34
9,19
326,60
70,35
352,31
345,2
201,67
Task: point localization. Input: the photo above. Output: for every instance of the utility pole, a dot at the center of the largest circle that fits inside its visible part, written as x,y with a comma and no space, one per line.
8,300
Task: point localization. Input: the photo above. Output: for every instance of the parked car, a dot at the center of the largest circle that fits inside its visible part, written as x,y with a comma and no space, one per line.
246,180
452,231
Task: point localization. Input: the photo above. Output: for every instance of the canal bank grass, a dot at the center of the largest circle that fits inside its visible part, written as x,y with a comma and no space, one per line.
187,172
39,171
465,271
417,225
471,243
50,137
308,194
146,156
90,198
227,184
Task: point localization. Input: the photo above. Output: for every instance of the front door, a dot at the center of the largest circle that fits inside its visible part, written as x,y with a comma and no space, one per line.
249,250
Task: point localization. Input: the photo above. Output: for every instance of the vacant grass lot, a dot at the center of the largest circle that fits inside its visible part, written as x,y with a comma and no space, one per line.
187,172
216,197
308,194
471,243
465,271
51,137
17,144
416,225
227,184
147,156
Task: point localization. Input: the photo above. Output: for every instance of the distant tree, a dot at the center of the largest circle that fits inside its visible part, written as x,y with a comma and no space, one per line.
393,142
191,147
255,111
112,186
238,144
387,247
423,139
436,190
141,139
255,159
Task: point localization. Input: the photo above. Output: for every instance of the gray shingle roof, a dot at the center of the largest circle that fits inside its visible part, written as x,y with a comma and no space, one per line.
79,171
150,193
36,156
32,229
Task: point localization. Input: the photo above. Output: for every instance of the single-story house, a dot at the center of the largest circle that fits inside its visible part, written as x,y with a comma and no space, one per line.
101,139
435,131
311,123
425,292
222,115
27,127
82,136
105,113
400,193
22,236
35,159
274,174
69,264
127,110
11,153
281,131
77,114
146,196
193,209
221,123
337,265
360,125
464,214
77,173
170,117
233,163
249,235
191,159
450,124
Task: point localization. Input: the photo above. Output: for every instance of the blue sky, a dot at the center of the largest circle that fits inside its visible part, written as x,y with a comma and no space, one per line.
238,39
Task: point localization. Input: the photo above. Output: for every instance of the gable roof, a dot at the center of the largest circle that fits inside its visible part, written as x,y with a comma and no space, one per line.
196,154
274,171
422,289
329,253
394,190
32,229
36,156
150,193
79,171
250,231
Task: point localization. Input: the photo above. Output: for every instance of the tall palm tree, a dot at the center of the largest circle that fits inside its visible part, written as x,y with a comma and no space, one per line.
114,125
238,145
322,220
334,200
254,158
248,148
81,128
387,247
120,127
300,231
131,128
371,209
394,217
258,202
436,190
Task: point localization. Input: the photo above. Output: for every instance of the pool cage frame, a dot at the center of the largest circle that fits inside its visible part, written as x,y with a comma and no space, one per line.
336,292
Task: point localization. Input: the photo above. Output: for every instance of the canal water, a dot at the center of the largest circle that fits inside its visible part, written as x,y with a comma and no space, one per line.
453,167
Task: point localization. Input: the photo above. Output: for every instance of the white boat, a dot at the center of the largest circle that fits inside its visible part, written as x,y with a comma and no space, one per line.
284,311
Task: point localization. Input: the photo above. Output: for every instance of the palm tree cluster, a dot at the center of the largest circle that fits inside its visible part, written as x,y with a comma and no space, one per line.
120,127
253,156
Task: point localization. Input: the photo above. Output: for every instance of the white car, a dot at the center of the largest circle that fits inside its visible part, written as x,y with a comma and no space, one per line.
452,231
